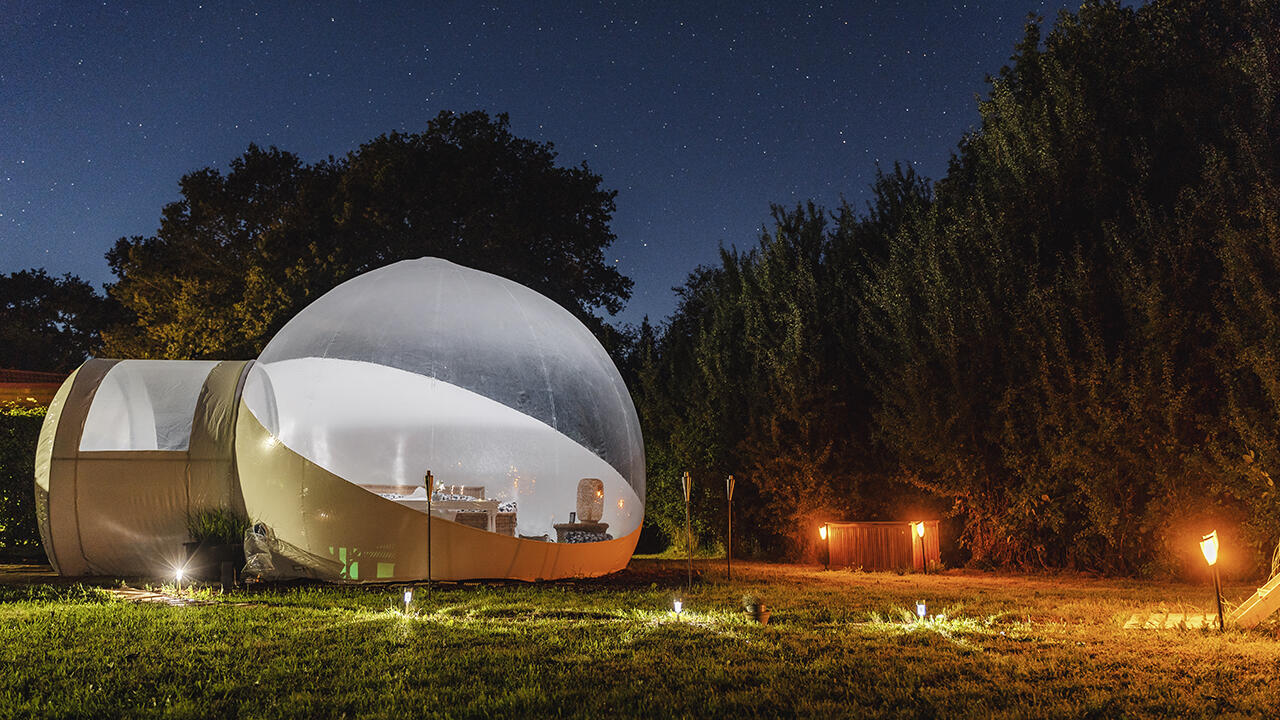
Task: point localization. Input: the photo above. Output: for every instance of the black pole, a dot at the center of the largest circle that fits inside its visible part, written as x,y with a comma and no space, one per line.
1217,595
430,491
688,527
728,553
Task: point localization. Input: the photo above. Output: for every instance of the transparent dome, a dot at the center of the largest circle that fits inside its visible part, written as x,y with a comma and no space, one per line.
426,365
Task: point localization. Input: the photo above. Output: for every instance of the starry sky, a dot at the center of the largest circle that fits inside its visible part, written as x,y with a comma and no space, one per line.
700,114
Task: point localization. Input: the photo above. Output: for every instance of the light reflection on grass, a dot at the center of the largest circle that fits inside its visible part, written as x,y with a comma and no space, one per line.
839,644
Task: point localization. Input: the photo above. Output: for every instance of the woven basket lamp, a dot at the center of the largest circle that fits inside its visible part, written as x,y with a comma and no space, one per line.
590,500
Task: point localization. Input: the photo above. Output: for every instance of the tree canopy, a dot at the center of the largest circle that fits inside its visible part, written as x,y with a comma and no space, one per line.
1052,343
47,323
241,252
1068,341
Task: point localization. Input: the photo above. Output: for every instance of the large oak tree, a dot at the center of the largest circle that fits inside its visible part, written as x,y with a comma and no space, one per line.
241,252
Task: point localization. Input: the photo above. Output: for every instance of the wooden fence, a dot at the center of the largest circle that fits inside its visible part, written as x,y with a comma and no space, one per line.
28,388
882,545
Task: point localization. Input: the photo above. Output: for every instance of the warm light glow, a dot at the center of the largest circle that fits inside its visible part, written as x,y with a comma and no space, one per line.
677,605
1209,546
178,574
822,532
920,529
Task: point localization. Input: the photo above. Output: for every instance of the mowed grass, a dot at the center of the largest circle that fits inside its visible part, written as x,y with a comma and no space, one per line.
839,644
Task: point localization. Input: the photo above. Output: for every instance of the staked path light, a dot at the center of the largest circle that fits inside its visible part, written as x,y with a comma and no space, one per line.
920,609
177,574
408,598
677,605
1209,546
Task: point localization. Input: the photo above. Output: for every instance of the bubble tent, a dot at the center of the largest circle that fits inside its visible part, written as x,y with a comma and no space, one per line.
507,399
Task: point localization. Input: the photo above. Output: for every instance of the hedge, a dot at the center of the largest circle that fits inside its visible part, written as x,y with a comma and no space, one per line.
19,431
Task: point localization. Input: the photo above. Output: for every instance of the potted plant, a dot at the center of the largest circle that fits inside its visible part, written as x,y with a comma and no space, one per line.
756,609
217,539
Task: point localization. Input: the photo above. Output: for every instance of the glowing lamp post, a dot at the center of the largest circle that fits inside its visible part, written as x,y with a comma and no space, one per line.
177,574
1209,546
677,605
408,598
825,534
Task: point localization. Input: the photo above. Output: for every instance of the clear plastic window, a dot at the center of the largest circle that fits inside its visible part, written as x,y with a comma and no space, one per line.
422,365
145,405
382,428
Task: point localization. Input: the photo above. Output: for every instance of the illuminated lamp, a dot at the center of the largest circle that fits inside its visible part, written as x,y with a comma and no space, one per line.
918,527
825,534
1209,546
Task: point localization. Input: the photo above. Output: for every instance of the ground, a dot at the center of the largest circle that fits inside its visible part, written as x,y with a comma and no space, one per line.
839,644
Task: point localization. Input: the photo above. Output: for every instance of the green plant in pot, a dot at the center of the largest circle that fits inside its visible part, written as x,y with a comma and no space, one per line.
217,538
756,608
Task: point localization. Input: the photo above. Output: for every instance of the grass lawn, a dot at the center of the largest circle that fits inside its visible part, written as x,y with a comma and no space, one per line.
839,644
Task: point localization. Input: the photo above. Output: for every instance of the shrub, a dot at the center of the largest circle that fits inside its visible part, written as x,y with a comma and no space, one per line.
19,432
218,526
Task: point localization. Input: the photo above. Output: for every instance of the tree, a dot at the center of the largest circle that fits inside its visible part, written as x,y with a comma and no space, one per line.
241,253
196,288
758,373
49,323
1048,344
1069,339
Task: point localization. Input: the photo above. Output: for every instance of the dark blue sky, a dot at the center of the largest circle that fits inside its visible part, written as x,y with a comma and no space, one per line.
699,114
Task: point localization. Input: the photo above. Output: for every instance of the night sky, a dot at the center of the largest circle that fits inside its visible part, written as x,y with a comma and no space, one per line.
699,114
